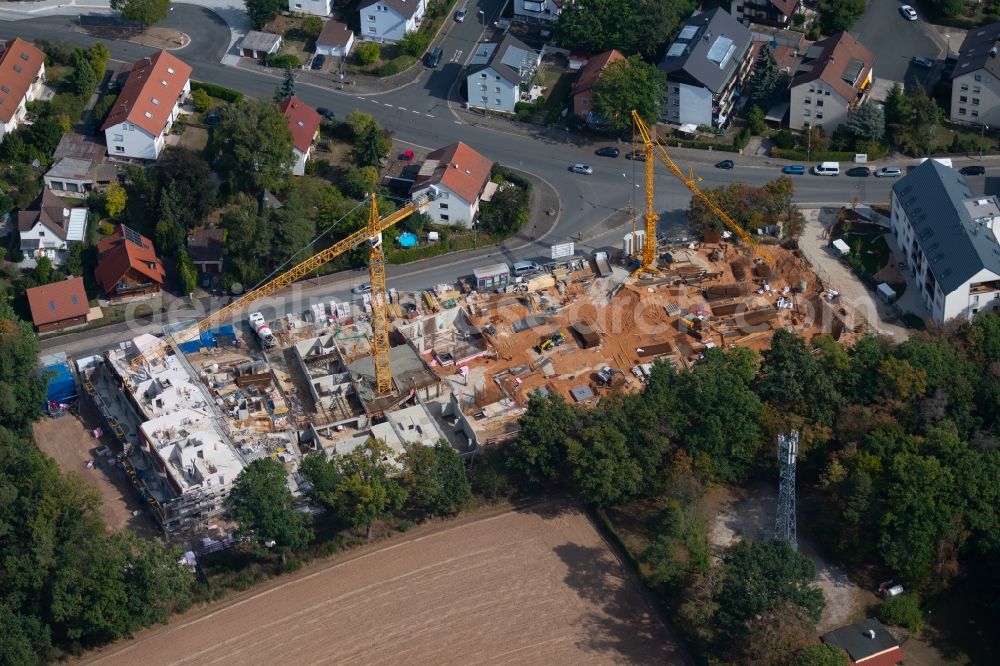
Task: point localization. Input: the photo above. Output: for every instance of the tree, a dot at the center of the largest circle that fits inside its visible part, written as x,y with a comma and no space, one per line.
924,116
287,88
85,76
634,27
371,147
767,81
821,654
414,43
755,120
839,15
603,471
435,479
22,390
201,100
262,506
538,456
897,112
262,11
115,199
324,477
254,146
791,379
367,52
358,183
312,26
187,276
506,212
367,492
625,85
43,271
902,611
187,178
249,238
143,12
866,122
759,577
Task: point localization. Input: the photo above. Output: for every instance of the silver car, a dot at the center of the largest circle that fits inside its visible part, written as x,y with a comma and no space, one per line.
585,169
888,172
461,14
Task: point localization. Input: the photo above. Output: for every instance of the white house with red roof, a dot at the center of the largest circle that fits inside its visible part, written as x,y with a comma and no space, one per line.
303,121
22,80
147,106
459,178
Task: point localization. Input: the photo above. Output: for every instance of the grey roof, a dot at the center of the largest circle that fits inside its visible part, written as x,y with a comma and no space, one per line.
858,643
709,49
957,247
260,41
405,8
81,147
334,33
70,167
510,58
975,52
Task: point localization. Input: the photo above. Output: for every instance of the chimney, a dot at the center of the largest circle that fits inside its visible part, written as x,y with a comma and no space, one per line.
871,634
993,52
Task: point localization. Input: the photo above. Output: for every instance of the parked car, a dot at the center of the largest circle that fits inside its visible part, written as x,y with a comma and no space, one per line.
889,172
318,61
582,168
325,112
525,268
973,170
461,14
608,151
433,57
363,288
794,169
859,172
637,155
725,164
921,61
908,12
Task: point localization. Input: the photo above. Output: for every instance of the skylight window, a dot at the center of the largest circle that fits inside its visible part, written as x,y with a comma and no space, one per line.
156,102
170,70
721,51
148,114
688,32
676,49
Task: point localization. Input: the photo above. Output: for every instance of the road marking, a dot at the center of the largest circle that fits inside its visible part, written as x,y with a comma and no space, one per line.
402,109
457,56
458,122
389,105
418,113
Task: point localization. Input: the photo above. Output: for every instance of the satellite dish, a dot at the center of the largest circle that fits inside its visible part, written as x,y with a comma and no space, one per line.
65,212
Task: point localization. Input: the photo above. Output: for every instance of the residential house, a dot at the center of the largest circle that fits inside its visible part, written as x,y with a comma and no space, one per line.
58,305
775,13
459,177
147,106
706,67
538,11
304,122
500,74
390,20
583,104
335,40
49,227
314,7
975,81
834,76
259,45
951,241
22,80
867,643
206,249
79,165
127,265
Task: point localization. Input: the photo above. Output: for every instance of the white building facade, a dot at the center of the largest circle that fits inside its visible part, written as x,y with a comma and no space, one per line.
390,20
538,11
22,80
314,7
501,74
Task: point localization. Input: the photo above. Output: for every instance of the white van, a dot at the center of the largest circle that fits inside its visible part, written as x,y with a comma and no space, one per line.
827,169
525,268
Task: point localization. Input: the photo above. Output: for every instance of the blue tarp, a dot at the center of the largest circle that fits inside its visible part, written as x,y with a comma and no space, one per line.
208,339
190,347
62,388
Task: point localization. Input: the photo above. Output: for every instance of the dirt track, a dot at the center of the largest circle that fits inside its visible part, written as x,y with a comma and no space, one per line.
537,586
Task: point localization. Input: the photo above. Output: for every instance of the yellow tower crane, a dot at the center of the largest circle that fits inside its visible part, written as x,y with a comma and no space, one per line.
372,233
652,147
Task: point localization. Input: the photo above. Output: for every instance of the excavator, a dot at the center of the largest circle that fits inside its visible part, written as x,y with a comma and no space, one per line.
372,234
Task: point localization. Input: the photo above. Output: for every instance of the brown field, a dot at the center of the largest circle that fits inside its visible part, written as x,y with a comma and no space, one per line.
538,586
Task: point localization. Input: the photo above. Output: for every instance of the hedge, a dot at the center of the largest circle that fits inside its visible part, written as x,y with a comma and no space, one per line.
282,60
396,65
704,145
964,22
218,92
816,156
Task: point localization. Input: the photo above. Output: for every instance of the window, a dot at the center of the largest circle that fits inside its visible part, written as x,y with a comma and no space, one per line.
965,86
371,17
170,70
812,88
677,102
806,113
443,217
484,99
807,100
498,77
976,89
677,91
975,114
819,102
156,102
119,149
371,29
978,77
497,89
826,92
975,101
819,116
443,206
499,102
963,98
483,75
41,233
961,111
119,137
17,68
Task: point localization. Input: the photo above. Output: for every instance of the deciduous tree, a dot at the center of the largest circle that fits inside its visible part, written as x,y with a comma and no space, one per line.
143,12
253,145
866,122
538,456
115,199
367,491
262,11
435,479
839,15
627,85
262,505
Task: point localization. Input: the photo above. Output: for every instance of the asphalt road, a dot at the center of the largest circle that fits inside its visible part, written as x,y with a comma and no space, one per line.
895,41
420,117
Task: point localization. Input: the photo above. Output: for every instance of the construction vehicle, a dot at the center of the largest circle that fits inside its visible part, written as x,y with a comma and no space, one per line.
372,234
601,262
557,339
608,377
263,331
653,148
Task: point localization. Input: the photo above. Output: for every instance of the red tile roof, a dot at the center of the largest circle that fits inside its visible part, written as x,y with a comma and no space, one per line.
57,301
834,60
459,168
302,120
149,93
20,63
591,72
124,250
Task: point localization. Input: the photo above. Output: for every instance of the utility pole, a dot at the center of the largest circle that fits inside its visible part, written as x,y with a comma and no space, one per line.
982,139
809,142
784,523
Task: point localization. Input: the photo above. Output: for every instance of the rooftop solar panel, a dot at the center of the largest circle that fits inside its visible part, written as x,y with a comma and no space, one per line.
132,236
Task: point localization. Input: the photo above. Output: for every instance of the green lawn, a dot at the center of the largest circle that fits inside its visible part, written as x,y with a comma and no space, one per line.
557,92
874,255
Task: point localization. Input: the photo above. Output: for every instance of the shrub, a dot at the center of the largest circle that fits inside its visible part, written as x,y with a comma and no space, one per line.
102,107
523,106
368,52
201,100
396,65
312,26
784,140
741,140
282,60
902,611
815,156
356,183
218,92
414,43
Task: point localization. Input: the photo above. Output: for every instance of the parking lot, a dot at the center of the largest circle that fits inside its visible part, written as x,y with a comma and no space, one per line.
896,41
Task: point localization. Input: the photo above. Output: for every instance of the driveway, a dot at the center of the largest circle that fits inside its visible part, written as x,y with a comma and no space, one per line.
894,41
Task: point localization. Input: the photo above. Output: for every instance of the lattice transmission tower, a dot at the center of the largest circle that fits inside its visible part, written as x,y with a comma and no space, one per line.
784,524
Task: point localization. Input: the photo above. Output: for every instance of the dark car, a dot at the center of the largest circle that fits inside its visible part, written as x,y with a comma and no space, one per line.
637,155
609,151
726,164
921,61
859,172
974,170
319,61
434,57
325,112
